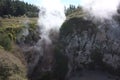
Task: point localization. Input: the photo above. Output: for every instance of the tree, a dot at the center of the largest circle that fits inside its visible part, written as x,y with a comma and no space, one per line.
16,8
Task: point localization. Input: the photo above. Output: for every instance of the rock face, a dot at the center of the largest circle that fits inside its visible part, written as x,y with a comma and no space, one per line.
39,53
91,46
82,44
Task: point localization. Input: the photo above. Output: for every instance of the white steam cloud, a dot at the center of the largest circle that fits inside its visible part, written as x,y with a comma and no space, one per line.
101,8
51,17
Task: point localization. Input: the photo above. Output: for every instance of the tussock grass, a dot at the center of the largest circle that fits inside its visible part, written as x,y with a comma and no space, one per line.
15,22
11,68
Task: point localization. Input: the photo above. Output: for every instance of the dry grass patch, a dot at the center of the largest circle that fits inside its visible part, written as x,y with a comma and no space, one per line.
11,68
16,21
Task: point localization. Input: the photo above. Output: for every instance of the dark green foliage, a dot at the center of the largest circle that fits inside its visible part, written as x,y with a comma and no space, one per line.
61,65
5,41
16,8
7,36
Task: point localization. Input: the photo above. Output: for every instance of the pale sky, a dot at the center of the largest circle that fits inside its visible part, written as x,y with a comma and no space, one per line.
65,2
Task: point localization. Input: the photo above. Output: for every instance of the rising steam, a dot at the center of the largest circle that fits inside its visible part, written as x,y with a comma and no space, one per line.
101,8
51,17
104,11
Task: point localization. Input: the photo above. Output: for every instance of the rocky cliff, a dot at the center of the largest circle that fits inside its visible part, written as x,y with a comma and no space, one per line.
82,44
91,45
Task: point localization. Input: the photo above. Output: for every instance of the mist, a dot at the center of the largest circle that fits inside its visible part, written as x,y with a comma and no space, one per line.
51,17
102,9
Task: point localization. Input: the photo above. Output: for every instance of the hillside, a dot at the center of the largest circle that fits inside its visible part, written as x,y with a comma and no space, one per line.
12,60
11,67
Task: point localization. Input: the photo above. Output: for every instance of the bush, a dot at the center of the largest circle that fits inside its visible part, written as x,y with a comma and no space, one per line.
5,41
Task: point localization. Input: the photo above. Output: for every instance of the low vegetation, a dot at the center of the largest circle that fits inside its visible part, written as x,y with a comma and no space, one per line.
13,20
12,60
11,68
11,28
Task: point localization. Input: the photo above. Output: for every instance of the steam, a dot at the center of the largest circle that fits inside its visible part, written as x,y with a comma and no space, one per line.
25,31
102,9
51,17
102,12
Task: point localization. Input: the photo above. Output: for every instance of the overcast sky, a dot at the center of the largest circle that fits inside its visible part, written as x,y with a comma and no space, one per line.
65,2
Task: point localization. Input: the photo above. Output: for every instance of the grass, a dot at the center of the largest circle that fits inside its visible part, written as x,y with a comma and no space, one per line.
16,22
11,27
11,68
76,14
12,61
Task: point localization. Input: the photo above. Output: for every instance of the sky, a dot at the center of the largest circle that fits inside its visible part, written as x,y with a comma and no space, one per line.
65,2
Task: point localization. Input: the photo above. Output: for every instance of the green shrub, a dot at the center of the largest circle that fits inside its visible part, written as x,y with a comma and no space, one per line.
5,41
1,47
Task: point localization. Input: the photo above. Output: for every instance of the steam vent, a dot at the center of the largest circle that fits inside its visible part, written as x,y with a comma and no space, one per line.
53,40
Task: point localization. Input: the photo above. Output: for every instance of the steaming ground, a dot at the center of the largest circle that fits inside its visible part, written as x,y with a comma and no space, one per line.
52,16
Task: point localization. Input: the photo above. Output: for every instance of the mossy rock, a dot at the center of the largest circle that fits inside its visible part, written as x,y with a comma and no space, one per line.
31,38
